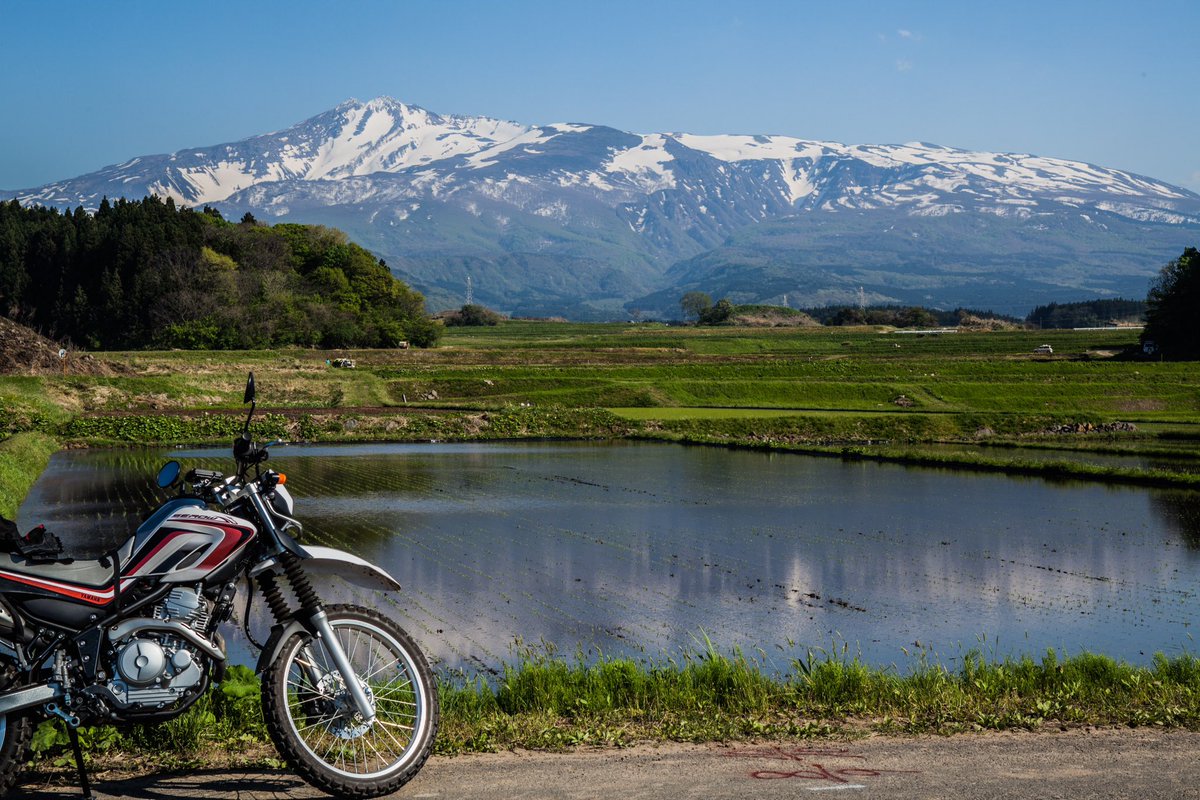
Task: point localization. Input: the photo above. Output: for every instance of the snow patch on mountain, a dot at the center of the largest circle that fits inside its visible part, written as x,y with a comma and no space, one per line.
646,163
489,156
756,148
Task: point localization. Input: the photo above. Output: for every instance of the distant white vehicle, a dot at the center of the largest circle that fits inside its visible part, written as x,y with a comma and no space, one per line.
1044,349
342,363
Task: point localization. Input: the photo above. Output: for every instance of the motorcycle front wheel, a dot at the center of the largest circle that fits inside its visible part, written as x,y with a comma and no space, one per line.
316,725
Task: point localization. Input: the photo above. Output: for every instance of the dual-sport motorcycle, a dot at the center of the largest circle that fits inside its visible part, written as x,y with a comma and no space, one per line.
349,699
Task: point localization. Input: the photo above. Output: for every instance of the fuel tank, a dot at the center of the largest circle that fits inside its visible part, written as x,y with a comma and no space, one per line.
182,542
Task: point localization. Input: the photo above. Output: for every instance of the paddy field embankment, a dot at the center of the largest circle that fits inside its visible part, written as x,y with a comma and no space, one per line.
985,400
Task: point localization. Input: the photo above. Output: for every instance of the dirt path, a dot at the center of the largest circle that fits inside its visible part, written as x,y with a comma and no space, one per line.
1093,764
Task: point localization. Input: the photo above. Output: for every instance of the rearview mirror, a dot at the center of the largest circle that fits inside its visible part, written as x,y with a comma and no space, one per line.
248,397
168,475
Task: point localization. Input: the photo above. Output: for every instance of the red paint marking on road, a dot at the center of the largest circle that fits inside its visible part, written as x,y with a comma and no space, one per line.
810,770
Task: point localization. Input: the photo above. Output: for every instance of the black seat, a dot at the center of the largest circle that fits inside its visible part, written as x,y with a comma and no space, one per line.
92,574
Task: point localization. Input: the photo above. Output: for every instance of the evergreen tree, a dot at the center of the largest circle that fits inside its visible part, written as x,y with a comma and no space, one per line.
1171,306
146,273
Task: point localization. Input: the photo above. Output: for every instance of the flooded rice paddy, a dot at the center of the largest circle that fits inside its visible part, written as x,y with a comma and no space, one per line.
644,549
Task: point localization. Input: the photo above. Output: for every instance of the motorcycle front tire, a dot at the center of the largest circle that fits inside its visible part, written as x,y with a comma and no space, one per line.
313,721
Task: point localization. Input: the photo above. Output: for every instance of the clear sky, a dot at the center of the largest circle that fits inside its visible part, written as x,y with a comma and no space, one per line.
87,84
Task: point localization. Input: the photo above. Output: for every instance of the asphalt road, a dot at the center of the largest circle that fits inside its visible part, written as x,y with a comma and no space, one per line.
1142,764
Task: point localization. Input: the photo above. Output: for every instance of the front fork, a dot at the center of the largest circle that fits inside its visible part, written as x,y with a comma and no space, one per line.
316,621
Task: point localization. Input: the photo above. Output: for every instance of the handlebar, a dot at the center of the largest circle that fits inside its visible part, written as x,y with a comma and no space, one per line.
202,476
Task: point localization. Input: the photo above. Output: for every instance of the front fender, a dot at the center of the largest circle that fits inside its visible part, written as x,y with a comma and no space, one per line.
350,568
324,561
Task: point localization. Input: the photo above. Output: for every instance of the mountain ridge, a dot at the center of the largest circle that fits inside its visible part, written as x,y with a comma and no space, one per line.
589,221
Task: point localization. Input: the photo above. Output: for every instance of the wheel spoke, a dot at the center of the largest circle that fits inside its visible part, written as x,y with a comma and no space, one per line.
387,724
373,673
323,722
402,745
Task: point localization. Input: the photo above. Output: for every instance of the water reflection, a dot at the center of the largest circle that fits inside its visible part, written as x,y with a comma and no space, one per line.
636,548
1180,513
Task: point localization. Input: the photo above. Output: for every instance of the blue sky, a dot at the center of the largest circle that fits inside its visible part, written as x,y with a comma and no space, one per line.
87,84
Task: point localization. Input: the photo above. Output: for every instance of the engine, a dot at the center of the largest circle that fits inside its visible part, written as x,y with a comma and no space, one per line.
154,666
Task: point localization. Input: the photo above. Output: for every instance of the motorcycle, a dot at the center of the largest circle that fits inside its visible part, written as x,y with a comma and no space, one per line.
348,698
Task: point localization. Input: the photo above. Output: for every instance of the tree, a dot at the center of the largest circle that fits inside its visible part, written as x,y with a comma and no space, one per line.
915,317
422,331
719,313
849,315
694,304
474,314
1171,306
149,273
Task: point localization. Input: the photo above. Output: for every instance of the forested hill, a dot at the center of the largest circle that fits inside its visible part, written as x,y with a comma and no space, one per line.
1088,313
140,274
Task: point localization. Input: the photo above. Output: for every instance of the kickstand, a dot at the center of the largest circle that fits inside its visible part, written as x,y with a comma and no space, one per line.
73,735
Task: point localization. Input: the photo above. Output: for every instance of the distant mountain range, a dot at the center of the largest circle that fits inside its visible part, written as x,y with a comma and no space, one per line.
591,222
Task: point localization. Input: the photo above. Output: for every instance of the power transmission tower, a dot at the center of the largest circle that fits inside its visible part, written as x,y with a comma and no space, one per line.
470,294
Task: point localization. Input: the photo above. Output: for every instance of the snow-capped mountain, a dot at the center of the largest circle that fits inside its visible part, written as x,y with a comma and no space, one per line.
586,220
352,139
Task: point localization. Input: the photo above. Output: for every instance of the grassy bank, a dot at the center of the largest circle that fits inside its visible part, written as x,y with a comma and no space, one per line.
707,696
22,459
915,440
543,702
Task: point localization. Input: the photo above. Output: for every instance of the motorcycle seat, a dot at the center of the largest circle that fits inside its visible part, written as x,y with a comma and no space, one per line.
92,574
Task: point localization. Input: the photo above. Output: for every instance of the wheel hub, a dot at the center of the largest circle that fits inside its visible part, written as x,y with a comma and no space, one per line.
349,723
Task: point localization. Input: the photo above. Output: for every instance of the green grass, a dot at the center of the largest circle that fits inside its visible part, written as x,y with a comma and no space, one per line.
545,702
710,413
710,696
22,459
